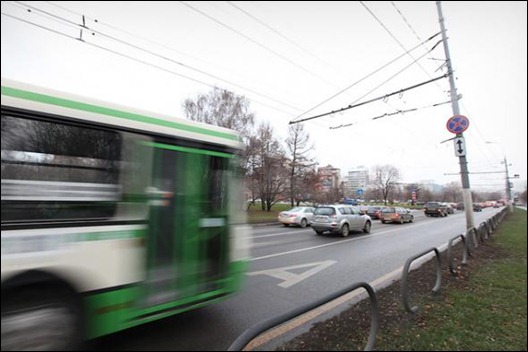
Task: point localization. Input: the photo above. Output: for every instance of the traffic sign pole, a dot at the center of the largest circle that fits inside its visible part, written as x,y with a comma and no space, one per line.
464,173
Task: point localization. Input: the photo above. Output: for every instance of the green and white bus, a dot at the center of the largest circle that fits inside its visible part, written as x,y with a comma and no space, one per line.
111,217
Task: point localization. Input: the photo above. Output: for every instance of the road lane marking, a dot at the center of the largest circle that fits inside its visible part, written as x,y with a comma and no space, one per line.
333,243
352,297
288,278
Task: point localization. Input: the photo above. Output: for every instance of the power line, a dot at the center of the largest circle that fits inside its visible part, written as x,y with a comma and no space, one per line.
258,44
394,113
130,57
394,37
372,90
406,22
372,100
280,34
170,49
362,79
83,26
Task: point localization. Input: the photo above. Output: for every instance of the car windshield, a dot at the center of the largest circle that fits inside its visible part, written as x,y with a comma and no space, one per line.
324,211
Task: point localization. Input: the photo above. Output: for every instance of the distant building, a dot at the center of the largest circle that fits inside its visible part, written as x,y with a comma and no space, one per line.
356,180
329,178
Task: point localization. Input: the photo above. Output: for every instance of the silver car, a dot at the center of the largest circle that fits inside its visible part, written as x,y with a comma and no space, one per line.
340,219
300,216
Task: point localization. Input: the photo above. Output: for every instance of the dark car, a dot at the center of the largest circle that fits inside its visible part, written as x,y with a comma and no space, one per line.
435,209
477,207
374,211
371,210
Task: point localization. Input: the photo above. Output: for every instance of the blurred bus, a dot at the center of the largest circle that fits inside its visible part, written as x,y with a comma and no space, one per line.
111,217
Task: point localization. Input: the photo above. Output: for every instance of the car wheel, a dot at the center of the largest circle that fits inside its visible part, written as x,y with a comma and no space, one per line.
304,223
40,320
286,225
345,230
366,229
318,232
411,219
402,221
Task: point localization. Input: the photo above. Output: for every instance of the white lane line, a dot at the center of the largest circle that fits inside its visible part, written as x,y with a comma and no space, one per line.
278,234
334,243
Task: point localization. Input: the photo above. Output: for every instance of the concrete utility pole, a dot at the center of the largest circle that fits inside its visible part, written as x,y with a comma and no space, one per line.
466,191
508,188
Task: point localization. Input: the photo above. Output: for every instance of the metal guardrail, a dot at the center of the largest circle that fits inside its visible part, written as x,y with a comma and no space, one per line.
450,254
259,328
483,232
404,284
471,237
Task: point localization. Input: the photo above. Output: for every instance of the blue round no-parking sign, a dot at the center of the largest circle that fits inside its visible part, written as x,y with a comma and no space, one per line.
457,124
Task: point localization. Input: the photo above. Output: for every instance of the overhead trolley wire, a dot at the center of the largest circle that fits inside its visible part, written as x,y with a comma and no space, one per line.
83,26
363,78
258,44
372,100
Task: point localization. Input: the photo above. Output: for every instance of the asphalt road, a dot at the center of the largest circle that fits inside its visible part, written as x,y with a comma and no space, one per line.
291,267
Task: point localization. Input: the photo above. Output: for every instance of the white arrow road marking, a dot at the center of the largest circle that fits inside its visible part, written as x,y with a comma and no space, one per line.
289,279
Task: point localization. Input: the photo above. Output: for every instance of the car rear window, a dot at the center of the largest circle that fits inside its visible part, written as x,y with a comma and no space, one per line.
388,210
324,211
433,205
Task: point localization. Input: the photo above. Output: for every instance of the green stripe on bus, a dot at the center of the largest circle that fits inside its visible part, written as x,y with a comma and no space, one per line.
110,235
17,93
187,149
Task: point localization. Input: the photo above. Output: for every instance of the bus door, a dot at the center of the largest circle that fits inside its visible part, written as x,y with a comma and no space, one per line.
187,244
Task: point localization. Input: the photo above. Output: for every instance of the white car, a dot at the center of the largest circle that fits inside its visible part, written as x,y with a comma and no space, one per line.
300,216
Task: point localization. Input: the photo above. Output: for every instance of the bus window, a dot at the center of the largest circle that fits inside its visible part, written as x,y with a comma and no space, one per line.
53,171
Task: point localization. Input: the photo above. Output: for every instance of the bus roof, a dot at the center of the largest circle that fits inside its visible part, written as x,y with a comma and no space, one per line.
34,98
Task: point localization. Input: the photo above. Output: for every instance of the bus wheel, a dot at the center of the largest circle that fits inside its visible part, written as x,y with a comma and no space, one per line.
40,319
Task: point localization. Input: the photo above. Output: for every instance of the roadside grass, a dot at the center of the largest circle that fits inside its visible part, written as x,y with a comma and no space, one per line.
256,215
489,314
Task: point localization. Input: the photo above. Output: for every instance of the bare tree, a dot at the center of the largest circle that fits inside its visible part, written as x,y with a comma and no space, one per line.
269,171
250,165
225,109
222,108
300,165
452,191
386,178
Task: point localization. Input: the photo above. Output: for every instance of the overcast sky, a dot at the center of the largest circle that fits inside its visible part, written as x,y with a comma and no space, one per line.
295,60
